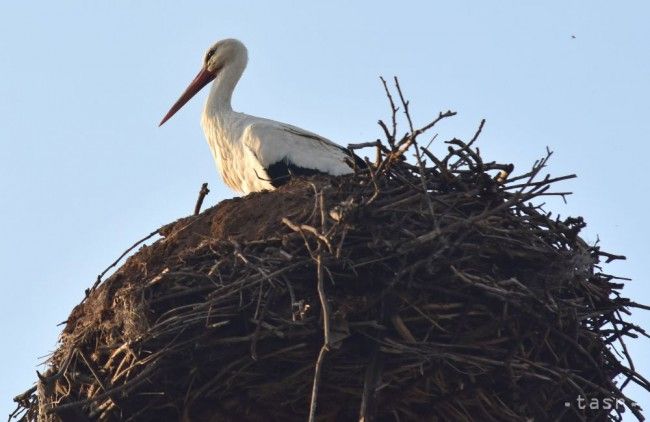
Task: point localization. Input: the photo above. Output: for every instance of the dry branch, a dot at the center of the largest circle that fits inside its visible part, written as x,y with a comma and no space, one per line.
199,201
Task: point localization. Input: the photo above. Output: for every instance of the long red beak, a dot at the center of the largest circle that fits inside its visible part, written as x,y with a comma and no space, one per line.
202,79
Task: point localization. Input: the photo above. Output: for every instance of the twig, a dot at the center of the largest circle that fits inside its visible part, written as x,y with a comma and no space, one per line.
367,411
119,258
325,307
390,136
314,389
322,296
199,201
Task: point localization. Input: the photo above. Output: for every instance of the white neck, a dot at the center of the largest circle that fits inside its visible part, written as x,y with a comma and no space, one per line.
224,85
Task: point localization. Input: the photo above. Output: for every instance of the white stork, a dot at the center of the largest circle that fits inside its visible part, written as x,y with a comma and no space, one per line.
253,153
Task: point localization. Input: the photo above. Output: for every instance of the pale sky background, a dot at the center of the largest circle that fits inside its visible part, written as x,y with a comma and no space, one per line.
85,170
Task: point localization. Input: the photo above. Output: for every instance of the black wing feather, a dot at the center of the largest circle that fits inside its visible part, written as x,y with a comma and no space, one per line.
282,171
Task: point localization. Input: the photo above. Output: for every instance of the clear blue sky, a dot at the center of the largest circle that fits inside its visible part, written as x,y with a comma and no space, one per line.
85,171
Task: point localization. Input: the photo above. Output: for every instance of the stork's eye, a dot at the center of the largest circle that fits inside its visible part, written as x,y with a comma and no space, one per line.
209,54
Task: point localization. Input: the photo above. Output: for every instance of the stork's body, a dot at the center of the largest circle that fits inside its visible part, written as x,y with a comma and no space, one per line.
254,153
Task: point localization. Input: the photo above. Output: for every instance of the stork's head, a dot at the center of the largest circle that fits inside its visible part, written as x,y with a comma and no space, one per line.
218,57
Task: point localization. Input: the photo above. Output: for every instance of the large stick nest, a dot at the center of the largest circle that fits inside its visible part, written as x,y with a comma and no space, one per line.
438,290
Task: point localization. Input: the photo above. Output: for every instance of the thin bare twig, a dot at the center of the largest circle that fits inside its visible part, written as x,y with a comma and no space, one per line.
119,258
199,201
